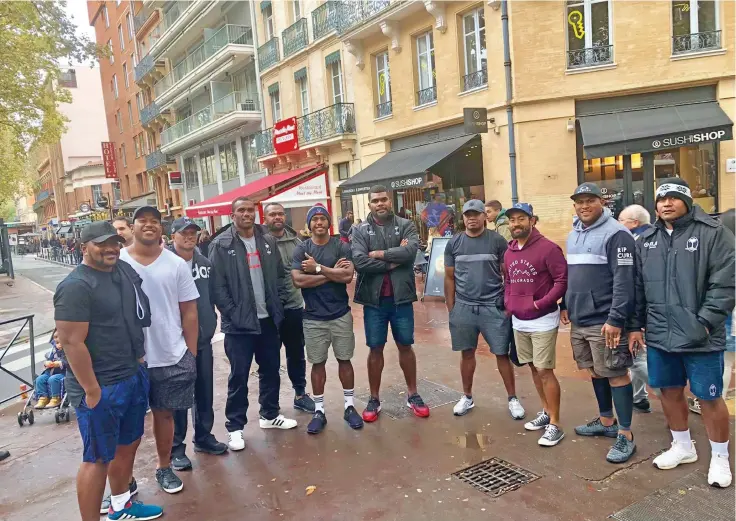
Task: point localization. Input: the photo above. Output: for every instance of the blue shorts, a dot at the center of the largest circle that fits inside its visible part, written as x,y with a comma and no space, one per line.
376,321
704,371
116,420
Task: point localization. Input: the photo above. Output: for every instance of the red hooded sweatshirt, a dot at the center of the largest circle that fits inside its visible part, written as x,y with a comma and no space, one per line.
535,273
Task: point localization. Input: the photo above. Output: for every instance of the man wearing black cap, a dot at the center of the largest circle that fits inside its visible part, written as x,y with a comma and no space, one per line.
100,311
684,292
184,232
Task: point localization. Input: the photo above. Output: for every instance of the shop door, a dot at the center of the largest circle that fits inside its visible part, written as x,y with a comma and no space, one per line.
620,178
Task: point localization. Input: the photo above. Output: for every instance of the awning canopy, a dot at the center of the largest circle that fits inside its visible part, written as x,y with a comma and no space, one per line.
148,199
307,192
221,204
655,128
64,230
404,168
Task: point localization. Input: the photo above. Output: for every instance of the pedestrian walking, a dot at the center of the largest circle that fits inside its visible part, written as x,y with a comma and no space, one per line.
685,291
474,291
184,232
291,331
598,302
497,219
100,310
171,343
384,248
124,227
344,227
203,243
535,279
322,268
251,312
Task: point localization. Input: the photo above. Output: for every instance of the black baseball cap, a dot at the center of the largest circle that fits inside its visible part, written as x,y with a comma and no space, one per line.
182,223
587,189
99,231
147,209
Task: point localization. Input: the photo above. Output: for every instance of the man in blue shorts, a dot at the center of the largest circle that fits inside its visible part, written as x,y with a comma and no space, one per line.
100,311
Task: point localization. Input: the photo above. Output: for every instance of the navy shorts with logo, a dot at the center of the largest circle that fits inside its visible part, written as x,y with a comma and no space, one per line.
116,420
704,371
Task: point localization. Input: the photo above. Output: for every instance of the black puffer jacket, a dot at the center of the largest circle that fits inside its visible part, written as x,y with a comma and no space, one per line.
685,284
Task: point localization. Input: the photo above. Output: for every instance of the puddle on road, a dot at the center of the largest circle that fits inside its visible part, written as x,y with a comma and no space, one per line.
471,440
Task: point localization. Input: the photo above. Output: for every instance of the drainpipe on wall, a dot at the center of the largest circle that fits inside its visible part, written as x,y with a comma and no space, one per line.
509,96
254,25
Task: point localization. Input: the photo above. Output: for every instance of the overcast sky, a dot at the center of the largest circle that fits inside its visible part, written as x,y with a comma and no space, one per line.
77,10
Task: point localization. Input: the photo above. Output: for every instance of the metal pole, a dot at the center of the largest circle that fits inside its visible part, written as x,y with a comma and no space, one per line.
33,348
509,97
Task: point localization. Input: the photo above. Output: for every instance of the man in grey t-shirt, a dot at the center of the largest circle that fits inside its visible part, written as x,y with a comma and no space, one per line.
256,274
474,297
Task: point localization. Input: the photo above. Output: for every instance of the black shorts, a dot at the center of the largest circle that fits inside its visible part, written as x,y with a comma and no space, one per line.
172,387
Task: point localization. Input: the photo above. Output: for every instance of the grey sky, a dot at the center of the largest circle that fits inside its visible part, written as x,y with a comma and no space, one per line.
77,10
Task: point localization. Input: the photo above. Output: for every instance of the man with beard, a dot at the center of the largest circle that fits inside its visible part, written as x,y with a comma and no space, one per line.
684,292
474,298
125,229
171,344
291,331
535,279
384,248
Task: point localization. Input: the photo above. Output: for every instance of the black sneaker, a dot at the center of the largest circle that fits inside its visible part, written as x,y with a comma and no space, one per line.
552,436
181,462
168,481
305,403
643,406
211,446
370,414
317,425
353,418
105,506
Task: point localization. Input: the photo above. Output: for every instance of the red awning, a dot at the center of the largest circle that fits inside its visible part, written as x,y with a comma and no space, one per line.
220,204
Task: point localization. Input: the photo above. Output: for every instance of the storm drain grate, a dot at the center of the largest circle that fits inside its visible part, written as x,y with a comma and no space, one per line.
495,476
393,397
282,371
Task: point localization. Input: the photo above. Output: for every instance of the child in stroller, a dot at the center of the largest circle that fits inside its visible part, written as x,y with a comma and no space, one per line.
49,383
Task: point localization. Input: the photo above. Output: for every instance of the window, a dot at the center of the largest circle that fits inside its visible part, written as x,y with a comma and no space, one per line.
120,37
588,33
695,26
190,172
131,29
383,86
207,162
133,60
426,72
474,40
336,74
268,22
137,148
275,106
139,100
139,180
68,79
125,76
297,10
130,113
303,95
119,119
343,171
229,161
117,196
109,48
124,156
115,86
96,193
107,18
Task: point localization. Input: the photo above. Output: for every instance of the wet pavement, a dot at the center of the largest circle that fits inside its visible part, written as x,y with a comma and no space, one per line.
394,469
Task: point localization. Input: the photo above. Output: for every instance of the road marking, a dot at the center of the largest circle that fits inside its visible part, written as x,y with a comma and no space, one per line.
39,285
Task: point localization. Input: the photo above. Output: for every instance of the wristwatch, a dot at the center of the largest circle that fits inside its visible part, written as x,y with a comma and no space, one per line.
318,269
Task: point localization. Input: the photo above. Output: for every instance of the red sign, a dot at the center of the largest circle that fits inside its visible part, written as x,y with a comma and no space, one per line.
285,138
175,180
108,159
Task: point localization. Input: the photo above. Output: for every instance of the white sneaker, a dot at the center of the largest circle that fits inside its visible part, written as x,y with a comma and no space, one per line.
235,440
719,474
516,410
279,422
676,455
463,406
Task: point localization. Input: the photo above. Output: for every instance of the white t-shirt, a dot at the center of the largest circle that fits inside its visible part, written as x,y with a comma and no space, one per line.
548,322
166,281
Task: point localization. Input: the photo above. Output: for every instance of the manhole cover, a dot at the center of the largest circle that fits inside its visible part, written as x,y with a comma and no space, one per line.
687,499
393,397
282,370
495,476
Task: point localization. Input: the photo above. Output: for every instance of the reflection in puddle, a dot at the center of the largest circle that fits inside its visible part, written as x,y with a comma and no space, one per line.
472,441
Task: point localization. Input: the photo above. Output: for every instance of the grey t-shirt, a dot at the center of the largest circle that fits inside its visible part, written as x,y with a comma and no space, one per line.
256,275
477,263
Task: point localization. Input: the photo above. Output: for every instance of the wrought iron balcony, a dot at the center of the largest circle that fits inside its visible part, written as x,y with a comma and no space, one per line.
384,109
324,19
696,42
264,143
590,57
149,112
350,13
144,66
157,159
295,37
141,18
475,79
268,53
426,96
326,123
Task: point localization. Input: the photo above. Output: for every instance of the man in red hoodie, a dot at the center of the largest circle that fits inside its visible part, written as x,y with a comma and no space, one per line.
535,279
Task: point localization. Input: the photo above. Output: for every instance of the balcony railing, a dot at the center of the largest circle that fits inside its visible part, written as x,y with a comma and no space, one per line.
351,13
149,112
144,66
295,37
324,19
42,196
425,96
264,143
173,14
268,53
157,159
696,42
141,18
384,109
475,79
590,57
326,123
228,34
235,101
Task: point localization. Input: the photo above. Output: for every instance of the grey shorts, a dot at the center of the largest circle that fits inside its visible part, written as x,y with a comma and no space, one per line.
172,387
590,352
319,334
467,322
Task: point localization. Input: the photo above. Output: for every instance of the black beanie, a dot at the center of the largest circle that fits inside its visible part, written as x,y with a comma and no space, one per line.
675,187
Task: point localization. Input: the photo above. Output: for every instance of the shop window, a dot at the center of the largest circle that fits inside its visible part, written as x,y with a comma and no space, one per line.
426,73
343,171
698,165
588,33
474,43
190,172
384,106
117,196
229,161
695,26
96,193
207,162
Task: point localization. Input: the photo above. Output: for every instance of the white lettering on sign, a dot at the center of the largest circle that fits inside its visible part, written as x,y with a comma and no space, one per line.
284,130
700,137
407,183
285,139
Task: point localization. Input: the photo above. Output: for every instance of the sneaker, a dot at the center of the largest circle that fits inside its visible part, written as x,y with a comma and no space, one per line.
463,406
136,510
596,428
353,418
516,410
317,425
622,450
180,462
552,435
643,406
694,405
305,403
168,481
279,422
370,414
416,404
719,473
211,446
540,422
105,506
54,402
42,403
235,440
676,455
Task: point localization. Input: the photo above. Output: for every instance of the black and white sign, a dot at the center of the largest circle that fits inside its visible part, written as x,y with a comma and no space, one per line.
84,208
102,201
692,138
434,285
475,120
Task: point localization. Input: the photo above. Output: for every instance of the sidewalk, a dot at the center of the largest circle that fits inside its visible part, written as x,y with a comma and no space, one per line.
21,297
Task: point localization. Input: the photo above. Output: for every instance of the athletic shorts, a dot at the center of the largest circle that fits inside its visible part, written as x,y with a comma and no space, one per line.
172,387
590,351
538,348
320,334
376,321
467,322
704,371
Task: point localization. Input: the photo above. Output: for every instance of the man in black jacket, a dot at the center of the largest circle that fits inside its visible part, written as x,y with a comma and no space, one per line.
684,292
184,232
384,248
247,289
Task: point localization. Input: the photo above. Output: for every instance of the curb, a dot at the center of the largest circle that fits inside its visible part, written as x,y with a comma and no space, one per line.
57,262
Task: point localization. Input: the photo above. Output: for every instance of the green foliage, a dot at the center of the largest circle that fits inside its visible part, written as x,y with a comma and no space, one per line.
7,211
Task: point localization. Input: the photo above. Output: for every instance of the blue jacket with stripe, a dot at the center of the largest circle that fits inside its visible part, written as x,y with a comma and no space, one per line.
600,273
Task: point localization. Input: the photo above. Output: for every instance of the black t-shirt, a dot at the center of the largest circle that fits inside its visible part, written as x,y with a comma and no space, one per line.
93,296
328,301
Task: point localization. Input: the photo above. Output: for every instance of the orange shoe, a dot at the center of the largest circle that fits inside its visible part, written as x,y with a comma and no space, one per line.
55,402
42,402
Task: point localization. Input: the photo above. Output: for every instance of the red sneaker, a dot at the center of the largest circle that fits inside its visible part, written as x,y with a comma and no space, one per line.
370,414
416,404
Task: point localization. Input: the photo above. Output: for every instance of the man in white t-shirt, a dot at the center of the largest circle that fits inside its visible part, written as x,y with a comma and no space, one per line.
535,279
171,341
